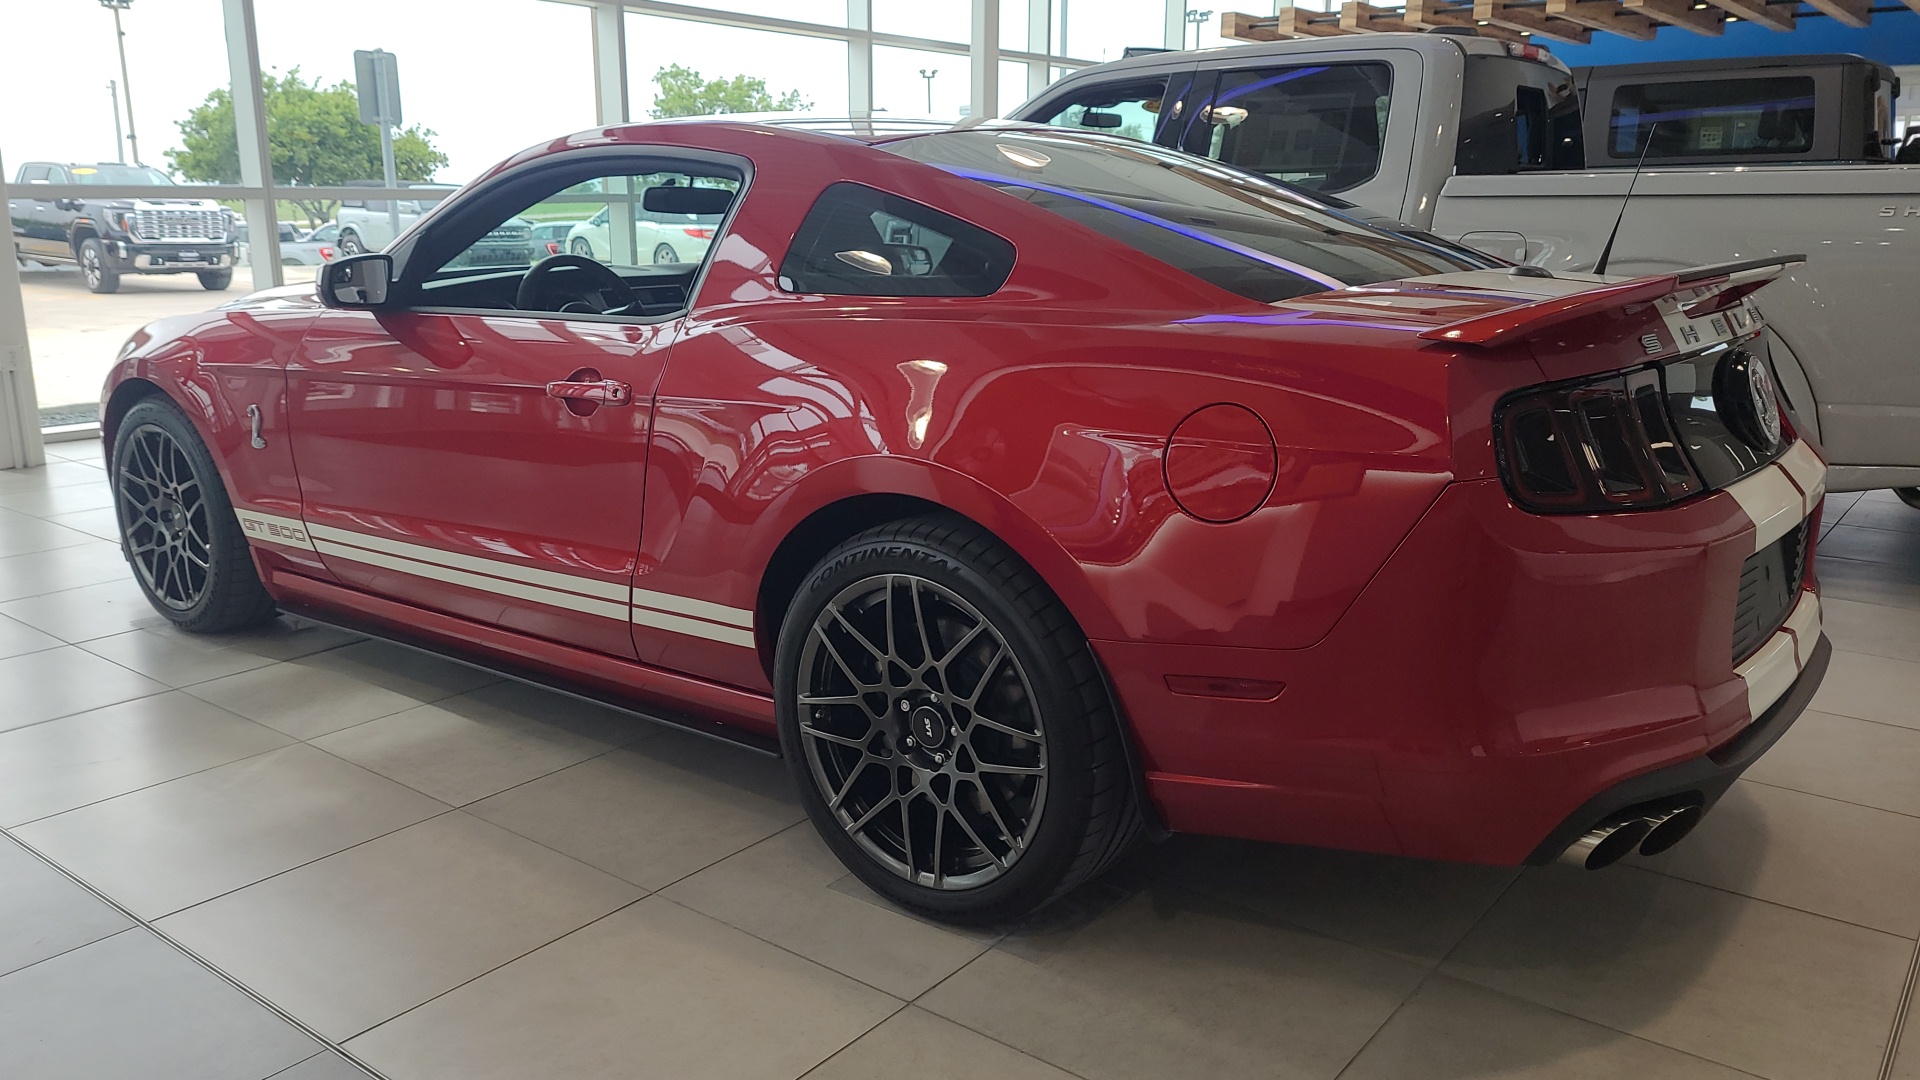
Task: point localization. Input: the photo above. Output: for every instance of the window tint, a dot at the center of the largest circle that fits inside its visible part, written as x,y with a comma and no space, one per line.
30,173
1712,117
1129,109
857,241
1241,231
1517,115
1319,126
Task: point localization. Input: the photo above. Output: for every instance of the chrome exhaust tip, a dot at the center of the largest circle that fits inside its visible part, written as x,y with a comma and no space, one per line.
1604,845
1669,828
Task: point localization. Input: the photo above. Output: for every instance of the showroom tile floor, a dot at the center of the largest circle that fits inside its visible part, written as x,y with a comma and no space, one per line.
297,854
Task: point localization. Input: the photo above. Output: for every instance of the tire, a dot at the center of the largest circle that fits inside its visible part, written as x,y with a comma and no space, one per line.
100,275
215,280
664,254
350,243
1011,661
581,247
177,527
1909,495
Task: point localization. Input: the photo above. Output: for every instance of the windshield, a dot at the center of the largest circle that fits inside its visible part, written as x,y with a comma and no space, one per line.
1244,232
120,175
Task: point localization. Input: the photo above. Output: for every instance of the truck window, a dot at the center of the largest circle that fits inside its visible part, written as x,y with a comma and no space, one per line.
33,174
1712,118
1517,115
1319,126
1130,109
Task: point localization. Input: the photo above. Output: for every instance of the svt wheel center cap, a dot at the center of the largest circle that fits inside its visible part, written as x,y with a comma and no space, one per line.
928,726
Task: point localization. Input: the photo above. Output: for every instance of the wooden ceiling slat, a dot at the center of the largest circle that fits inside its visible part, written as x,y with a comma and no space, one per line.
1530,19
1433,14
1759,11
1856,13
1605,15
1680,13
1366,19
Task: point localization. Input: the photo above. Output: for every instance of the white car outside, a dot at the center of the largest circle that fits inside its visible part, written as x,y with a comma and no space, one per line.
672,238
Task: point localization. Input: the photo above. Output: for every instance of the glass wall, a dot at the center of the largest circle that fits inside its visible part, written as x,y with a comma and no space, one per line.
480,80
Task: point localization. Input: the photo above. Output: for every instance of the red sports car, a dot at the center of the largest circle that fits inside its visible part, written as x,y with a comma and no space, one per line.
1028,490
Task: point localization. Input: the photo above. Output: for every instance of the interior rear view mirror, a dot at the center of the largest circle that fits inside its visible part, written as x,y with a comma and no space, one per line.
358,281
1100,119
686,200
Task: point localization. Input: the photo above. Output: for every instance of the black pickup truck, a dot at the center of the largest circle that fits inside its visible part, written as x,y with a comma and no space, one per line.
166,233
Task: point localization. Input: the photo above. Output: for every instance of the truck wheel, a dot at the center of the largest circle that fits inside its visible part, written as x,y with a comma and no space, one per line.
664,254
947,726
177,525
350,243
101,277
215,280
1910,496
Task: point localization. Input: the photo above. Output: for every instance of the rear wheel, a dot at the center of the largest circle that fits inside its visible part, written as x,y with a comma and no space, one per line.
1910,496
947,726
582,248
665,254
177,526
100,277
215,280
350,243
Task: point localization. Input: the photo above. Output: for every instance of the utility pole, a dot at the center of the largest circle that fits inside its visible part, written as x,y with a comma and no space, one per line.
928,75
120,38
119,144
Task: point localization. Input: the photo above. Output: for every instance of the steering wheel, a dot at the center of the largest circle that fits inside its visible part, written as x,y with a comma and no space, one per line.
605,292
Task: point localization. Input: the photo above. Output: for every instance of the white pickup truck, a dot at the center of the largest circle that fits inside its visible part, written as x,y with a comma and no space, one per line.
1481,141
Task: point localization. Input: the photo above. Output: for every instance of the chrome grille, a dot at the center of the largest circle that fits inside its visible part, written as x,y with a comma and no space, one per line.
510,234
1769,587
205,226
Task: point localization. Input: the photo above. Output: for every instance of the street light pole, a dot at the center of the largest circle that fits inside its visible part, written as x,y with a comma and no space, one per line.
928,75
1197,19
120,38
119,146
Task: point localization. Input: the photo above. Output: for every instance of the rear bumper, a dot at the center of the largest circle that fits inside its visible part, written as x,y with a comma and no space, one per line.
1500,673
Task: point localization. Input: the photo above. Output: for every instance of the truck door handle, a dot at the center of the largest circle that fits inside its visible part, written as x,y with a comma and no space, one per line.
599,392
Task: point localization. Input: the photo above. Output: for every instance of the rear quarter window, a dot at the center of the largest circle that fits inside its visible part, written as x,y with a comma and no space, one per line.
1712,118
860,241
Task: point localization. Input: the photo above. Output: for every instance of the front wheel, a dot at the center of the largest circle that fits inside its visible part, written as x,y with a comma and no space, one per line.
1909,495
215,280
177,526
665,254
100,277
350,243
947,726
581,248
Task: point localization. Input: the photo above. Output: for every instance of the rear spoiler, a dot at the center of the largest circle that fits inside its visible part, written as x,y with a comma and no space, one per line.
1711,288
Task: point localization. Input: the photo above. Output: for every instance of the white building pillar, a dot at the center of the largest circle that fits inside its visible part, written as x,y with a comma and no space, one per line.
1176,31
20,446
250,128
610,64
860,59
1039,40
983,52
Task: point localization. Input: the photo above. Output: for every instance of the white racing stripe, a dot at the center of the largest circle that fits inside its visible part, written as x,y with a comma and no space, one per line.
570,592
1808,472
1777,498
1779,662
1772,502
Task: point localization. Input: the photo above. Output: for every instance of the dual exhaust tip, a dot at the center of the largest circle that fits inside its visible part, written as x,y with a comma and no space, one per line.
1649,833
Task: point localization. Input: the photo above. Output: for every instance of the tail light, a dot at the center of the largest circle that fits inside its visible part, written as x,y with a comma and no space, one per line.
699,234
1593,445
553,247
326,253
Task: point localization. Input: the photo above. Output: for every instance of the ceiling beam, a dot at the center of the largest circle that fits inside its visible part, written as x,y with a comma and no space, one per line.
1530,20
1680,13
1604,15
1855,13
1362,18
1759,11
1238,26
1429,14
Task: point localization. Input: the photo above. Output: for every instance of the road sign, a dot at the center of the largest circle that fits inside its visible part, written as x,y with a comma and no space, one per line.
376,77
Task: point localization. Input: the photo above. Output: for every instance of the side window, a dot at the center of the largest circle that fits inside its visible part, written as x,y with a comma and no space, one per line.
857,241
1712,118
33,174
1130,109
1320,126
1517,115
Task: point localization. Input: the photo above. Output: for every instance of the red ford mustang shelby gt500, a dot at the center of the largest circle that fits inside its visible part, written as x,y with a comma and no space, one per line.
1026,489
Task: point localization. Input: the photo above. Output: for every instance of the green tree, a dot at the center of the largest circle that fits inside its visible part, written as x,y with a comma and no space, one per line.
314,136
684,93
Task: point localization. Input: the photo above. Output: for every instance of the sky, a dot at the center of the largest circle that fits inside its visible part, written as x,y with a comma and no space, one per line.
490,77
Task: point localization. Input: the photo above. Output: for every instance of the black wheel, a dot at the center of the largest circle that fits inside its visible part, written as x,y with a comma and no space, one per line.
1910,496
177,525
350,243
215,280
947,725
664,254
581,247
101,277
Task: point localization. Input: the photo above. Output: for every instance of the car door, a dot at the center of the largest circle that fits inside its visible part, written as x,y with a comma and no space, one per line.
1334,123
36,222
464,455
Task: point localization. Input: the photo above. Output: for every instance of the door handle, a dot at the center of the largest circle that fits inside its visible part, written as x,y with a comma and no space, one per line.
599,392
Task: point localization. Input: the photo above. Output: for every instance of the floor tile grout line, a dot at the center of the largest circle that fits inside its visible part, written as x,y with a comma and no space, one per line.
1650,869
156,783
1835,798
1900,1013
930,1011
215,970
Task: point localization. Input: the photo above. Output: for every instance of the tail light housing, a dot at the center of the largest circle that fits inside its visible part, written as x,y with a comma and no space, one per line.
553,247
699,234
326,253
1592,445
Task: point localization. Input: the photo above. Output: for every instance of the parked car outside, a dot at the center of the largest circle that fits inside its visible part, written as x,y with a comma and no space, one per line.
312,249
550,238
658,238
1026,489
171,231
367,225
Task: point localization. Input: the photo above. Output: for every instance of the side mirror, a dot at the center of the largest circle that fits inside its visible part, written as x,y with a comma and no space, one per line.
359,282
